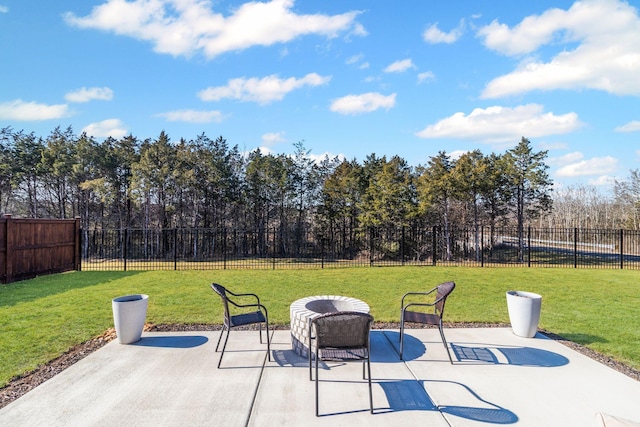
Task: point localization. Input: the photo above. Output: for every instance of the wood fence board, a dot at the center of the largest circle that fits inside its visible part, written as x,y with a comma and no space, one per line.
33,247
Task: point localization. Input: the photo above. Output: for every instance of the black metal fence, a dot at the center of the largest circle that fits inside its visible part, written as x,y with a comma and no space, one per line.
221,248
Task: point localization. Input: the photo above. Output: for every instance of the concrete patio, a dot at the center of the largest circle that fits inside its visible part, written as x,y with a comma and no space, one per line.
170,379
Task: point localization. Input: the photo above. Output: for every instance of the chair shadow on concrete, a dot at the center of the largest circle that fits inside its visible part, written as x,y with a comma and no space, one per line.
413,347
517,356
486,412
406,395
383,350
411,395
173,341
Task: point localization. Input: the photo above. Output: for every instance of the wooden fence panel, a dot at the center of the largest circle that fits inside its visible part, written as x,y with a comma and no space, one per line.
34,247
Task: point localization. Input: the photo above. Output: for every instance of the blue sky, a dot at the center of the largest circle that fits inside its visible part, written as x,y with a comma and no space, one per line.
348,78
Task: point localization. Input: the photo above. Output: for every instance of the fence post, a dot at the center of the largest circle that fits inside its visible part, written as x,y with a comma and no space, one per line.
402,247
224,248
482,246
8,265
78,245
575,247
370,246
433,245
274,248
175,248
529,246
621,249
124,247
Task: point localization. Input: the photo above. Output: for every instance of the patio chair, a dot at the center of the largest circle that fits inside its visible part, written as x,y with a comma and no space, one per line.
246,318
407,313
341,336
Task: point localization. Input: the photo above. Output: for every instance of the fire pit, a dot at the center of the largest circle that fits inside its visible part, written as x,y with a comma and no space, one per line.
304,310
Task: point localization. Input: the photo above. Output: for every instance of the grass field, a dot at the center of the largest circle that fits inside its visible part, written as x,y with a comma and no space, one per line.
42,318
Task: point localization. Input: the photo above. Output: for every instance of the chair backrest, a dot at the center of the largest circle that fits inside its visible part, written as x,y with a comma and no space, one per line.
222,291
443,291
343,329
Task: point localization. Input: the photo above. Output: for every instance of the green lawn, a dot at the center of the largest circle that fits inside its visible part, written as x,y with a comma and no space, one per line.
42,318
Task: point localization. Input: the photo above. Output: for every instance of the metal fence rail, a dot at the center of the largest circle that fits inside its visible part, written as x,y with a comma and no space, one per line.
283,247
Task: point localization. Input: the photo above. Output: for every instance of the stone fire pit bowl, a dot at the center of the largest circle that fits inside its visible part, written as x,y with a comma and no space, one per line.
304,310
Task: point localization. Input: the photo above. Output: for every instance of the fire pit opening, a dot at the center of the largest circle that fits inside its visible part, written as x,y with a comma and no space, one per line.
324,306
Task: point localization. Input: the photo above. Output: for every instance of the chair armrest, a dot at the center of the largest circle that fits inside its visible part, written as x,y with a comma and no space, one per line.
418,304
248,305
243,295
402,306
424,304
256,304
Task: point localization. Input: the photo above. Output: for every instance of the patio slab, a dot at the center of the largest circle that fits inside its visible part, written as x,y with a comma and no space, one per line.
171,379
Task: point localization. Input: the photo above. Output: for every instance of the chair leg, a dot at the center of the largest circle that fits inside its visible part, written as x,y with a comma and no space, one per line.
224,346
310,352
370,392
444,341
317,410
268,342
310,369
401,335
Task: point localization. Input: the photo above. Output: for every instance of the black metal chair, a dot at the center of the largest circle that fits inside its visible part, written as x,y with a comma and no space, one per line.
231,321
437,301
341,336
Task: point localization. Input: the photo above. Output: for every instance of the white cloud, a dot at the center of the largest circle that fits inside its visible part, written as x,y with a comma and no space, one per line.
318,158
502,124
525,37
601,181
32,111
184,27
264,150
567,159
632,126
87,94
365,103
110,127
4,9
263,91
400,66
358,30
578,166
273,138
354,59
434,35
607,56
427,76
357,59
193,116
456,154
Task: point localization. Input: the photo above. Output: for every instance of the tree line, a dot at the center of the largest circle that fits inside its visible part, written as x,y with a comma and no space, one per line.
207,183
